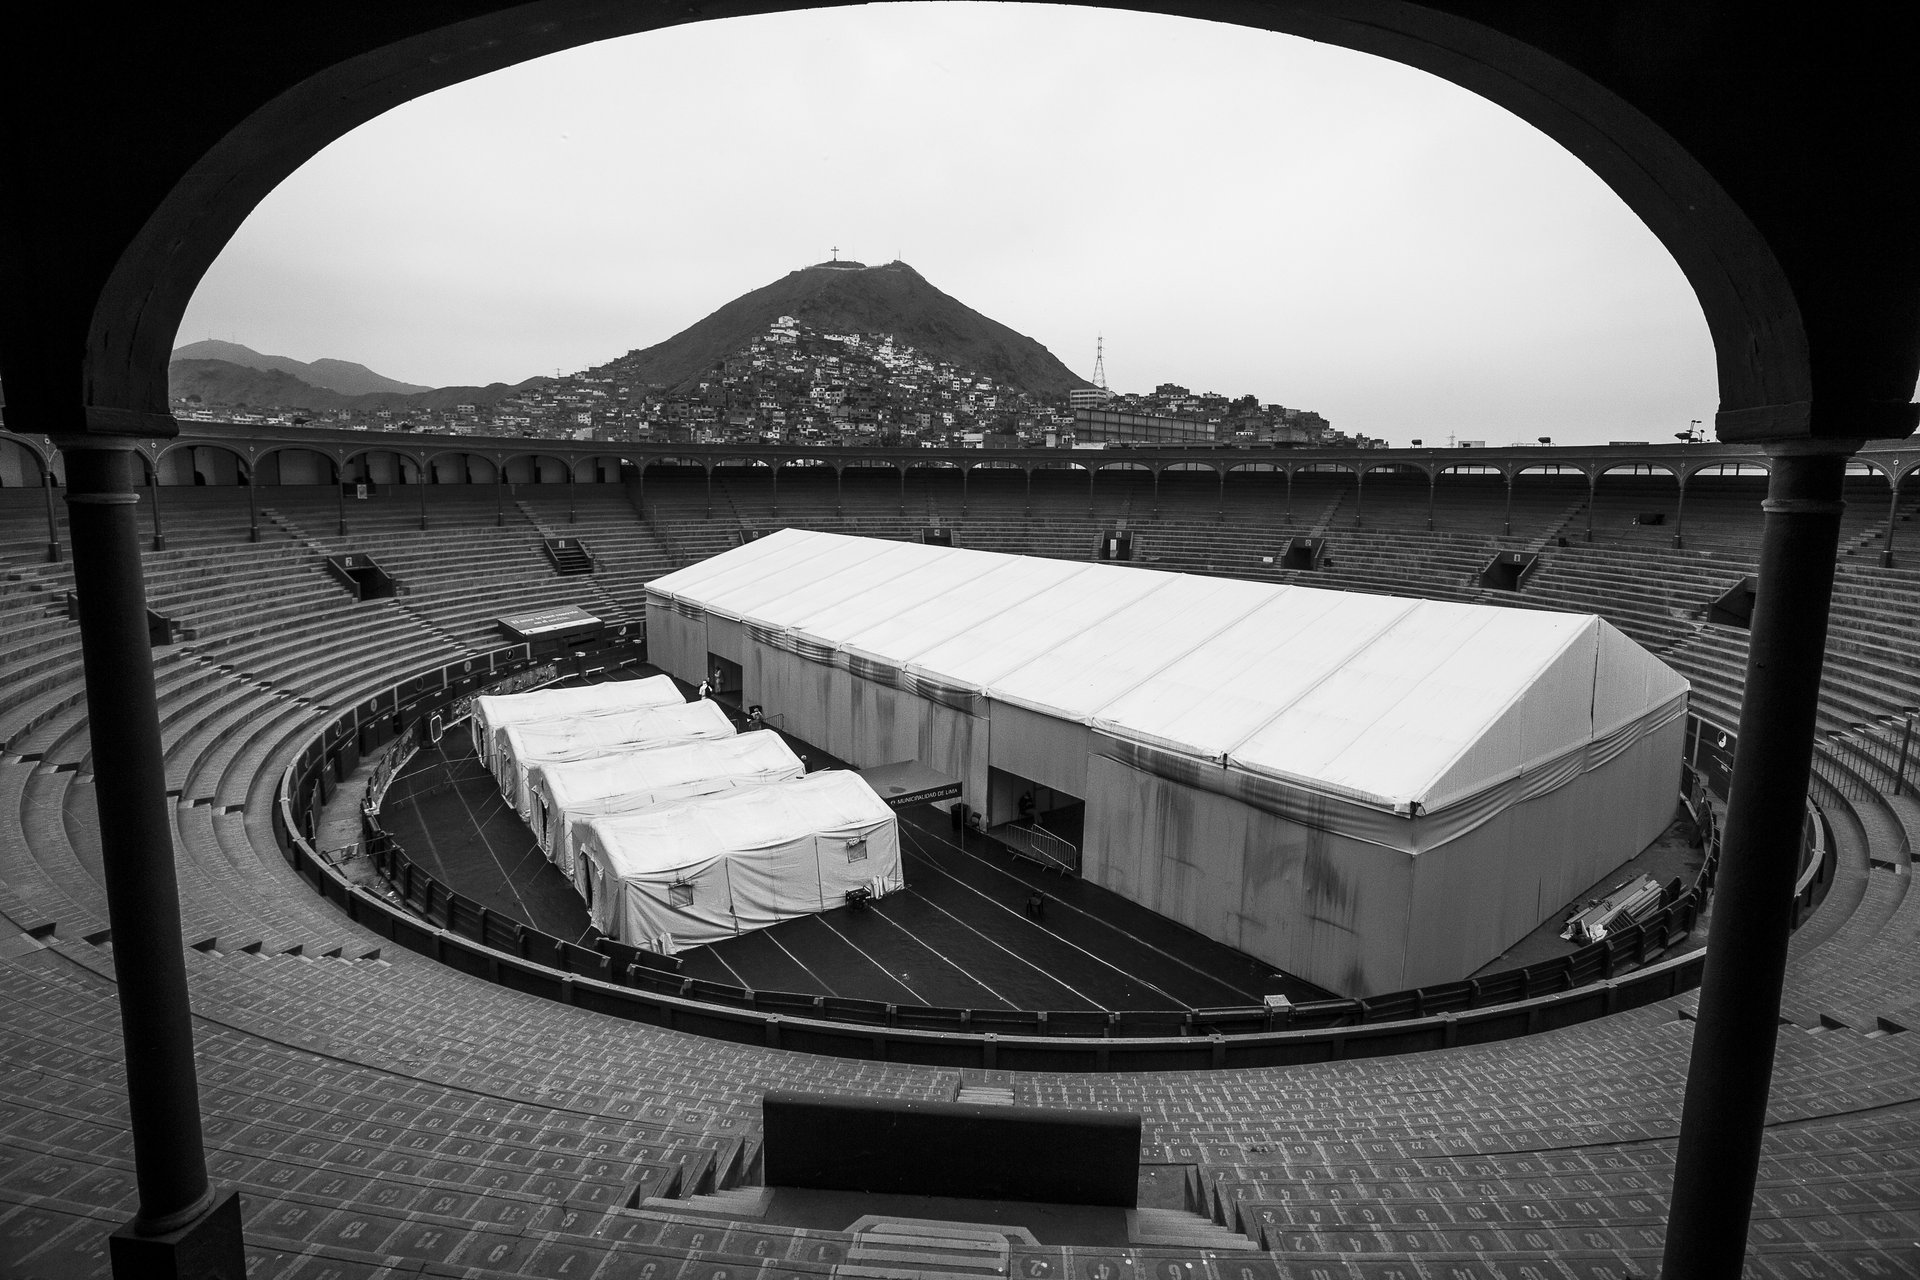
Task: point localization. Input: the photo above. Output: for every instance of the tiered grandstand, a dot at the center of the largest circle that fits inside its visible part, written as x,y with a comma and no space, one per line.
385,1113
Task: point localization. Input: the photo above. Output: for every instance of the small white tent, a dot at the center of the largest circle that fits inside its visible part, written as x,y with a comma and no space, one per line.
696,871
493,715
525,747
568,793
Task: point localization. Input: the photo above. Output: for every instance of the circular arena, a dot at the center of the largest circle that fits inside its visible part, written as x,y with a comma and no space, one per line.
229,1053
395,1077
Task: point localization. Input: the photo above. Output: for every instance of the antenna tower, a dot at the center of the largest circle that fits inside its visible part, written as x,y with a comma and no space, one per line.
1100,362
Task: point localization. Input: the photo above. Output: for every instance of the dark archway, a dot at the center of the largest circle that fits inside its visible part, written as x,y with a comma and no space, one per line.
1776,194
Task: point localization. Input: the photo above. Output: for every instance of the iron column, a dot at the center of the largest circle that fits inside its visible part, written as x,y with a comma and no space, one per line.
136,846
1725,1114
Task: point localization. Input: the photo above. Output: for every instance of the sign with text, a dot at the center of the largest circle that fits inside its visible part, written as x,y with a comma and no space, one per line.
558,622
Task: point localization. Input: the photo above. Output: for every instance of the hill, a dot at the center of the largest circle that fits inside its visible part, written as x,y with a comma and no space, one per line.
847,297
340,376
223,382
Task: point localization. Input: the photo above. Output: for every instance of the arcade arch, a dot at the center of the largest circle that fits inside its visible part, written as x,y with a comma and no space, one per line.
1585,86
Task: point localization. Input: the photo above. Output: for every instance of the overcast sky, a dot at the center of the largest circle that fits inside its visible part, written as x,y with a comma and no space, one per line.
1235,211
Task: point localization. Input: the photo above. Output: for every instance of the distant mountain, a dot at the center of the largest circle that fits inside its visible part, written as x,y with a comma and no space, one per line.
849,297
224,382
341,376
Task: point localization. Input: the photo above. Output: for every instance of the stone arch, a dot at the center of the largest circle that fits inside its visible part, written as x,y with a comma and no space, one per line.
598,468
535,468
202,465
22,466
460,466
382,467
1765,363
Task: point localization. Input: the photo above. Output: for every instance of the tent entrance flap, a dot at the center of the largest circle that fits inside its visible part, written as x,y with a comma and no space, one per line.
908,782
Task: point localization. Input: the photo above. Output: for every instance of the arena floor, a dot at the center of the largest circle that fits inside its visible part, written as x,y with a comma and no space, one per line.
958,936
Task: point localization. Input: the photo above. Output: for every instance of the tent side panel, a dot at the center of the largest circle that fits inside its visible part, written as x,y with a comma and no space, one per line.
675,644
793,690
727,638
1476,896
874,852
1330,909
838,686
955,743
647,908
886,723
777,882
1045,748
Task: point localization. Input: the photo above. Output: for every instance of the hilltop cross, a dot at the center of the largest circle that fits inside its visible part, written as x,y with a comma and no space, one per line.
836,253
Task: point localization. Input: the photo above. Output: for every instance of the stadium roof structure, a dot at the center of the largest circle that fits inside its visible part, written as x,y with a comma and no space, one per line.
1398,704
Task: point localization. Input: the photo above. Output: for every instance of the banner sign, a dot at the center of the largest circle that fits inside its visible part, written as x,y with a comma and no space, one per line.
545,624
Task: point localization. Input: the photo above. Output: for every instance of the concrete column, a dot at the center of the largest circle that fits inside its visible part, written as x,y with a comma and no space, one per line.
1220,502
136,846
253,508
426,470
574,518
1359,495
1090,471
1593,500
839,477
500,493
903,490
709,491
1289,495
1733,1040
1507,524
776,488
1680,515
340,495
965,472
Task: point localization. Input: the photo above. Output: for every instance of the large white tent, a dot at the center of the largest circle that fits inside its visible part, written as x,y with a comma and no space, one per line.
1368,791
567,794
493,715
688,872
525,747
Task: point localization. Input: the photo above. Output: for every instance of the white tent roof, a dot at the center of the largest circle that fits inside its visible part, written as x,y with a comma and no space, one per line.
657,770
565,738
1379,699
680,834
588,700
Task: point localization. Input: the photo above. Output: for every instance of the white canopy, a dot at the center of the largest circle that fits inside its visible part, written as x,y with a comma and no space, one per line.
1369,791
1388,702
712,867
492,715
526,746
569,792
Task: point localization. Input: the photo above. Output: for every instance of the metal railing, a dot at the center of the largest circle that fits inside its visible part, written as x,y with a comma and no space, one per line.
1045,847
1880,756
1627,969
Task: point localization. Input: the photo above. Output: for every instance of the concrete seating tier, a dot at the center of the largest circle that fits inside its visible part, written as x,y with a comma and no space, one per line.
393,1114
